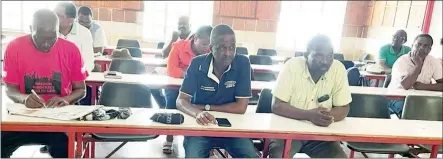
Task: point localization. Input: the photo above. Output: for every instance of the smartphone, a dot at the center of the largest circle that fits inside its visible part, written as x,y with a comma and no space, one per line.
223,122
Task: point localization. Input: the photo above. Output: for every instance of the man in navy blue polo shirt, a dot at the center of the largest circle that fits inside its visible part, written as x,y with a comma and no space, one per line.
219,81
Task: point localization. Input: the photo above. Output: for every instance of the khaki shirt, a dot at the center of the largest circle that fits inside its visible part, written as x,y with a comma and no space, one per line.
295,86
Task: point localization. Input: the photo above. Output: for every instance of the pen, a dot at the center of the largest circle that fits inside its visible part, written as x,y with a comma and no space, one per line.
33,92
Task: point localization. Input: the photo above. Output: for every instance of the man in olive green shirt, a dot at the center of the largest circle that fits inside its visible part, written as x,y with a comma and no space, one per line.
314,88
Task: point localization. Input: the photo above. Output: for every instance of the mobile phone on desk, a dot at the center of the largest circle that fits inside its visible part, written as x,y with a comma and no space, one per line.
223,122
113,74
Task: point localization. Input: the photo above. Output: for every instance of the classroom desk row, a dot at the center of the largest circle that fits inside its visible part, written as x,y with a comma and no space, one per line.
250,125
96,79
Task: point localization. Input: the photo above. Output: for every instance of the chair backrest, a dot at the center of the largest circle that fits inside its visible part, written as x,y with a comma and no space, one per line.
353,76
298,53
387,81
260,60
97,68
127,66
267,52
135,52
160,45
122,53
363,57
423,108
125,95
262,76
348,64
264,101
127,43
369,106
241,50
339,56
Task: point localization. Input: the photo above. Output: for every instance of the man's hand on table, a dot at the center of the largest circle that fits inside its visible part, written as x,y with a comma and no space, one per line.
320,116
57,102
205,118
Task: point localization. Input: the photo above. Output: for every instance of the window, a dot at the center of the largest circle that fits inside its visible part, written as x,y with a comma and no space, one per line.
161,17
300,20
17,15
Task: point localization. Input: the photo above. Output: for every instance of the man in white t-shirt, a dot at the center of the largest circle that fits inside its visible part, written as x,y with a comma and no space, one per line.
183,33
416,70
74,32
97,32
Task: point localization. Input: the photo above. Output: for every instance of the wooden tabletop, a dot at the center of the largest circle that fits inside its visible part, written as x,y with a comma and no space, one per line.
161,81
147,61
261,122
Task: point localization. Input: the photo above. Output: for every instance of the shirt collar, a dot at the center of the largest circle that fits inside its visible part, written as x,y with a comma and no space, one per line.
74,28
208,67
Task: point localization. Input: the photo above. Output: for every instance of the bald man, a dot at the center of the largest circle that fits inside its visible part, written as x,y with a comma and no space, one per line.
50,66
183,33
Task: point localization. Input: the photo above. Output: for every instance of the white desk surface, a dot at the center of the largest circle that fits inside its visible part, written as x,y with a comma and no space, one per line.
268,68
365,73
163,81
262,122
146,61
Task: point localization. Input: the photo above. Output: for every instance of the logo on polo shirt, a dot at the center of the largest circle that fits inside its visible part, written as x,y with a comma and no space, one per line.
230,84
205,88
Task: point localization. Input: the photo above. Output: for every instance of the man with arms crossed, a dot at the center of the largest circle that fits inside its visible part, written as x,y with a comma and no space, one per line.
219,81
314,88
50,66
97,32
416,70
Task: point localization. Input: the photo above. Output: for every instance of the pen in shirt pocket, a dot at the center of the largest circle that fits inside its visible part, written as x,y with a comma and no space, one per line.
44,104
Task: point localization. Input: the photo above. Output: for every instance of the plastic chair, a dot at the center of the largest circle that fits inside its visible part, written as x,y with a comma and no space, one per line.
260,60
423,108
241,50
339,56
135,52
160,45
298,53
363,57
372,106
267,52
353,76
347,64
127,43
127,66
263,106
97,68
123,95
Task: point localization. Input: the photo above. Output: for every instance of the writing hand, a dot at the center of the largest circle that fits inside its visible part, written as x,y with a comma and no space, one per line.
57,102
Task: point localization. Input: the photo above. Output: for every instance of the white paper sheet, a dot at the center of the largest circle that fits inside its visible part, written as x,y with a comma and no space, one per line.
70,112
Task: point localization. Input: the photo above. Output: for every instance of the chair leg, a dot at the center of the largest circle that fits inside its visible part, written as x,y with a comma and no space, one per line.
92,143
87,149
79,145
351,154
364,154
391,155
116,149
266,148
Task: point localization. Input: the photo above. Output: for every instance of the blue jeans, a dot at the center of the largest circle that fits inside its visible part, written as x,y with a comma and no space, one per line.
199,147
171,98
396,106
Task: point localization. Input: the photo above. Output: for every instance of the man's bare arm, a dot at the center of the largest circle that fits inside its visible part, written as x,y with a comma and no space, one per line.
237,107
339,113
13,92
78,92
184,104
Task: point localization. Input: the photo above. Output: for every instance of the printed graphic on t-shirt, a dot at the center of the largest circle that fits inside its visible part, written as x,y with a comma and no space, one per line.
43,84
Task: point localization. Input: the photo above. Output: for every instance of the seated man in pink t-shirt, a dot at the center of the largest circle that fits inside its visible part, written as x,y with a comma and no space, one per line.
50,66
416,70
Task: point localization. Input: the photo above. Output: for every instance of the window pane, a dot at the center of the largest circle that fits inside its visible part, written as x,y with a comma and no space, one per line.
11,15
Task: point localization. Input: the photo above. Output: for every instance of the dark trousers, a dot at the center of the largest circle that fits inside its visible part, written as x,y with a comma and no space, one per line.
87,99
57,142
159,97
171,98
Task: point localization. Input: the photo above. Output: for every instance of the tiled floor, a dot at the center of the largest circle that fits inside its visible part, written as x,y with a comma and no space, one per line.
148,149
